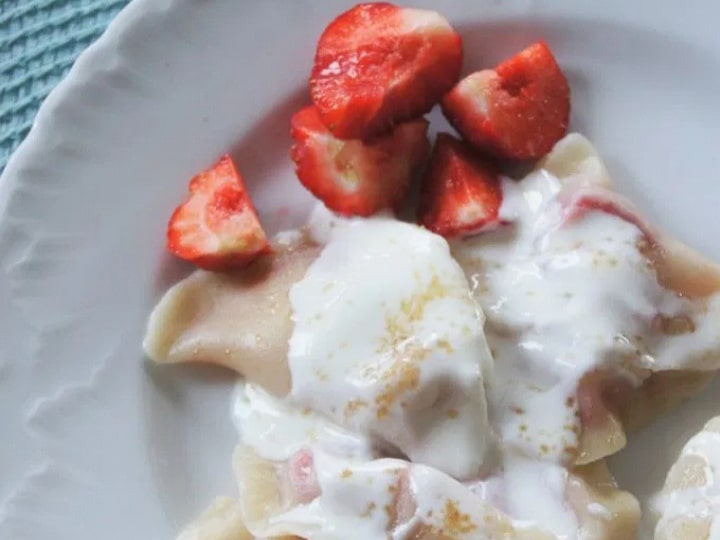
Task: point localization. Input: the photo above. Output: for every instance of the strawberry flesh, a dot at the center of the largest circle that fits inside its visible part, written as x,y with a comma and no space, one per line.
217,227
601,200
461,194
354,177
378,64
518,110
301,477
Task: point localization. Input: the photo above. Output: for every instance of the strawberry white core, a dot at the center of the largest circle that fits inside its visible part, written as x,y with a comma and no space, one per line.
423,21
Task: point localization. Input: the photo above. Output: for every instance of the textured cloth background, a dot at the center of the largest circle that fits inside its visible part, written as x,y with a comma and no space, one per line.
39,40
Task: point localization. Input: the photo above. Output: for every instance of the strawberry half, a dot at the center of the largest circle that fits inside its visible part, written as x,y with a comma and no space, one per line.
355,177
378,64
460,193
518,110
217,226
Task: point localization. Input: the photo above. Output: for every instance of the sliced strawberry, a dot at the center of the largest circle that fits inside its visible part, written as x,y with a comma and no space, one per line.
519,110
353,177
378,64
460,193
217,226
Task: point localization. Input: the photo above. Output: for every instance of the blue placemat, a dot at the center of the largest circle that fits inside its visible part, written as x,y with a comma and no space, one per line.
39,41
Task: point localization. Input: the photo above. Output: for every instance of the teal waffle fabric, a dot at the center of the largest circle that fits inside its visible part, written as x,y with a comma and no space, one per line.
39,41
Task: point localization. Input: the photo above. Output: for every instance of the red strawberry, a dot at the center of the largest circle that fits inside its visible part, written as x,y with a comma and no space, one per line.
378,64
355,177
460,193
217,226
519,110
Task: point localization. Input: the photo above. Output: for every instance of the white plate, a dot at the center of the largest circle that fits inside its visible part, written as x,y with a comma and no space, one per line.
96,443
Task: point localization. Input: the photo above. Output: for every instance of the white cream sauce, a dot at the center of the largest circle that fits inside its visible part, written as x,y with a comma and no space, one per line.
564,298
358,493
388,350
533,491
387,341
359,501
353,501
276,430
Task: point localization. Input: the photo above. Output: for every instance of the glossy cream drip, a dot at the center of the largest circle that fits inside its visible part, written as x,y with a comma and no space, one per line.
358,493
530,491
353,502
564,297
533,491
388,342
359,501
277,430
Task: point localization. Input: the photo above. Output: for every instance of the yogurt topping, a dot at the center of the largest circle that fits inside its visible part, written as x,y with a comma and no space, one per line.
533,492
387,498
388,355
359,493
277,430
354,500
388,342
565,296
